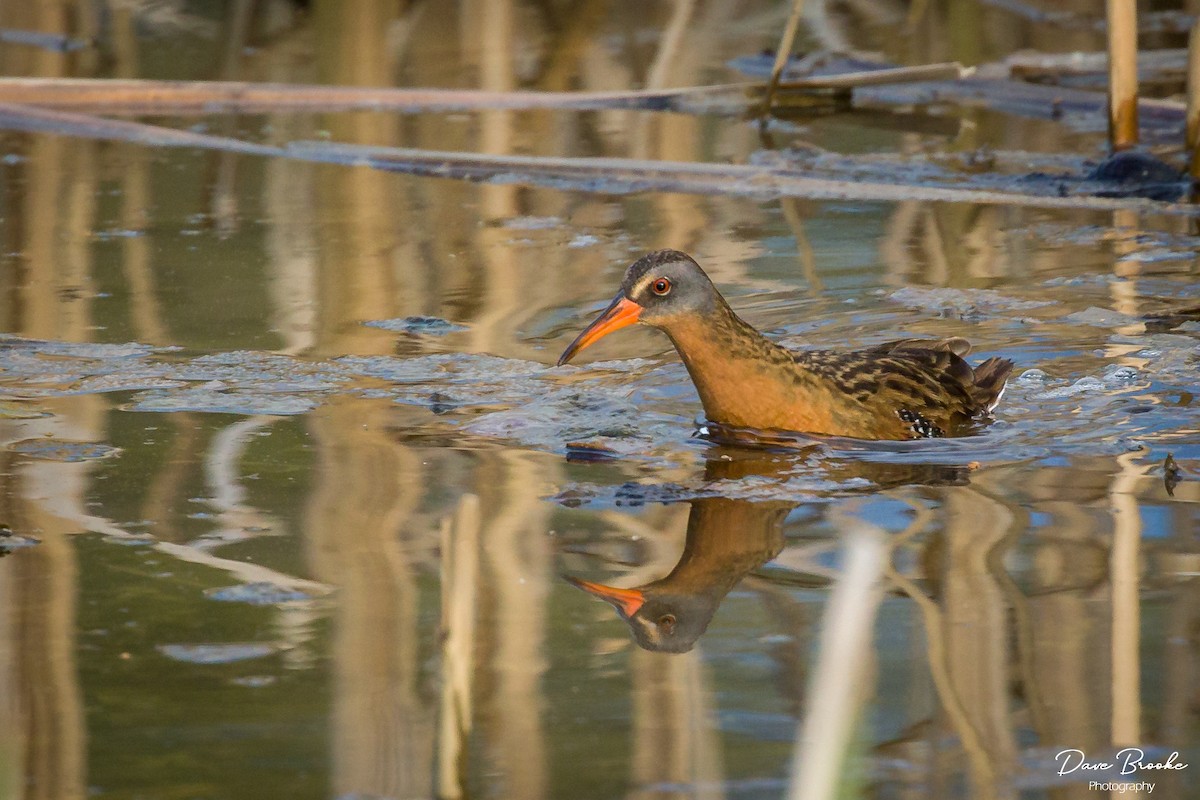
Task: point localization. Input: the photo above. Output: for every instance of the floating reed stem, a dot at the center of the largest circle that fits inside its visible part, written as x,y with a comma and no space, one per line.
606,175
1122,74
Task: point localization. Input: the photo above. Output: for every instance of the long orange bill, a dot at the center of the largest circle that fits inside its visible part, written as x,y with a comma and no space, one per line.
621,313
627,601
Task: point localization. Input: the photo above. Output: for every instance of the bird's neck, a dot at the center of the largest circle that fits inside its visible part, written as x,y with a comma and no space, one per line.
734,367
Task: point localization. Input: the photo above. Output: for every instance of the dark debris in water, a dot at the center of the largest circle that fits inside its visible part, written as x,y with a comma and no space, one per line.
590,452
1172,474
628,494
1127,174
1134,173
1185,318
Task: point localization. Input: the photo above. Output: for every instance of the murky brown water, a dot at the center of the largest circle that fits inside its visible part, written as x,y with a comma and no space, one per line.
289,508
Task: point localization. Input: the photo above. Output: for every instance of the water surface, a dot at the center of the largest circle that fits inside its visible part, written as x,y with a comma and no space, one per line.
292,495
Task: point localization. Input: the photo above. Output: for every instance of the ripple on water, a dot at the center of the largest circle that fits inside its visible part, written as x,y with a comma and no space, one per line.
427,326
972,305
800,488
10,344
11,542
1102,318
50,449
259,593
254,681
218,401
226,653
636,408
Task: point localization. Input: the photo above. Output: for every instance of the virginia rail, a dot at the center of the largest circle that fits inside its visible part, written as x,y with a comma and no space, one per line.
906,389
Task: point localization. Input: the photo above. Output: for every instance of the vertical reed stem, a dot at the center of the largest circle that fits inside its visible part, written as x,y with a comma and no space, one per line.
1193,102
783,52
1122,74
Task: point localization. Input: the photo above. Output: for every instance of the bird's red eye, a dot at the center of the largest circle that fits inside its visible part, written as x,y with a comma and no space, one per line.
661,286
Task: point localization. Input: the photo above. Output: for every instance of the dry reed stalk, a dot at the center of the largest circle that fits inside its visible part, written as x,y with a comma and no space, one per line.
1122,74
782,53
1193,102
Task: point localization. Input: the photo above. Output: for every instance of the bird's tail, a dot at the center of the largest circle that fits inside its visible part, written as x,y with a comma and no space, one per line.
990,378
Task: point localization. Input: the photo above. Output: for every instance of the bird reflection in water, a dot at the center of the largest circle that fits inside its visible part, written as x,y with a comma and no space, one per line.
727,539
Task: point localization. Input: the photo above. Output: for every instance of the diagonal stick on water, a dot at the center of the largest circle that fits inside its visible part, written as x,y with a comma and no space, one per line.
603,175
783,52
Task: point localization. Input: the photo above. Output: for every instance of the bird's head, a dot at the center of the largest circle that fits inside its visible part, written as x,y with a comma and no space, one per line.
658,288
